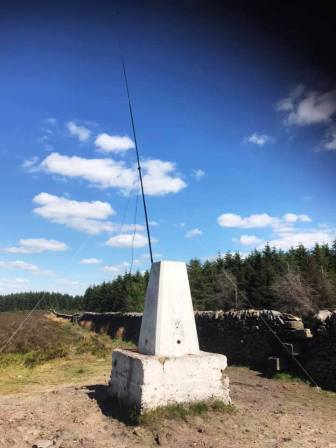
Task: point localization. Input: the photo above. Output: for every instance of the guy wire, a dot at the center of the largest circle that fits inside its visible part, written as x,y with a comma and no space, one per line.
137,154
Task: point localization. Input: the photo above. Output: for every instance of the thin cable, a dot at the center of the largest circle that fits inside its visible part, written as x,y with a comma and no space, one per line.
3,339
311,379
21,324
135,228
122,222
298,363
137,154
124,214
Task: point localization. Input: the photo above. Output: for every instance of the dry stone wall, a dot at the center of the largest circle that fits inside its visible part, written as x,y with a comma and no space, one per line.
248,337
319,356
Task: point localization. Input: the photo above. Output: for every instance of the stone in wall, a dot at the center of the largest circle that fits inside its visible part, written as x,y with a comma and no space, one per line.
247,337
124,326
319,357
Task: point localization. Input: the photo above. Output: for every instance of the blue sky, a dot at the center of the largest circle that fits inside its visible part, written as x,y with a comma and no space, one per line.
237,140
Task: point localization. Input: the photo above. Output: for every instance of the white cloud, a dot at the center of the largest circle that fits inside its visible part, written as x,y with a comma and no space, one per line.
105,173
30,165
249,240
330,144
158,176
153,223
292,217
116,269
81,132
262,220
88,217
113,143
198,174
129,228
308,107
9,285
66,285
256,220
285,230
21,265
90,261
36,245
260,139
67,281
156,255
128,239
282,227
56,207
287,104
308,238
158,179
193,232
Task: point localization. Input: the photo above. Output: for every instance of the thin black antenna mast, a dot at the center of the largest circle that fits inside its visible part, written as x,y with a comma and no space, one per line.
137,155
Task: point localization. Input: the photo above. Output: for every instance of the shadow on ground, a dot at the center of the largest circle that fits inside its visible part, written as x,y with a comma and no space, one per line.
110,407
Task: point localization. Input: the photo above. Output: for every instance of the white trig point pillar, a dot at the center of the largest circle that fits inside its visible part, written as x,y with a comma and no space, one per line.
168,366
168,325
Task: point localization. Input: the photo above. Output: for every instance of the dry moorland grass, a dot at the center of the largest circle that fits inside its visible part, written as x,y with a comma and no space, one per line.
63,398
49,351
37,332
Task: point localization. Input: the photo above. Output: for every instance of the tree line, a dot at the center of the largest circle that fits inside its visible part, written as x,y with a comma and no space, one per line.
42,300
298,281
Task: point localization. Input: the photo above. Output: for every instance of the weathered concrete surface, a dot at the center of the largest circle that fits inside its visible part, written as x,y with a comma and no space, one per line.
147,381
168,367
168,324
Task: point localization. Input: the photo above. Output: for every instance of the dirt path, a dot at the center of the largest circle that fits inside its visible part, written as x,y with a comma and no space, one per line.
269,413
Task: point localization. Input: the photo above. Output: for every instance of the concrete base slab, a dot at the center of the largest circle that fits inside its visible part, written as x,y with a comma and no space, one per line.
146,382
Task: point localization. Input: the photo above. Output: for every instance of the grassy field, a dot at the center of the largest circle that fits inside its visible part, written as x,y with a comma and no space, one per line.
53,386
49,351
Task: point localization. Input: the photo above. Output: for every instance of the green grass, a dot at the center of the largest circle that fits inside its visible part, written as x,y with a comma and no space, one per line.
80,371
289,378
32,358
177,412
182,411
